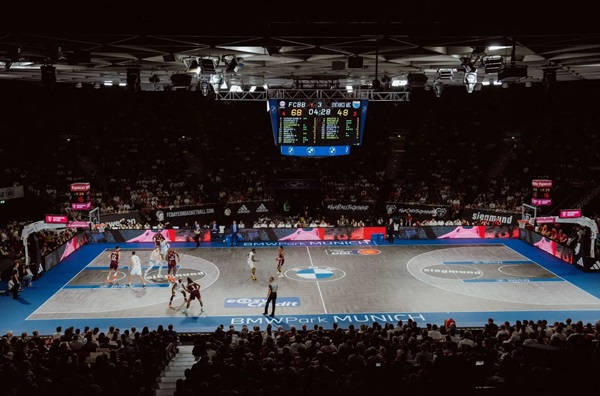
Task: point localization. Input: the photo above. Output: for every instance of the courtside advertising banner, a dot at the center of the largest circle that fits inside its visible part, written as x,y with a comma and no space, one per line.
491,216
418,212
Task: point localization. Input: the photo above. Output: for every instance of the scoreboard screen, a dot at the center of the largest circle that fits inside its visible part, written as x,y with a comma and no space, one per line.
541,192
317,127
80,196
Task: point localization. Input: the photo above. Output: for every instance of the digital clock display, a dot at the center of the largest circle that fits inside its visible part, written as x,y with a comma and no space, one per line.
80,197
316,123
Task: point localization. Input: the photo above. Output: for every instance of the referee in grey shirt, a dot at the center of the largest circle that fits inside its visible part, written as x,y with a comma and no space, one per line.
271,296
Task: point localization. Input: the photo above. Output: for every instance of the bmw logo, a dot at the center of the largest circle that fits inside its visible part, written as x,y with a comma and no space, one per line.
332,150
310,151
315,274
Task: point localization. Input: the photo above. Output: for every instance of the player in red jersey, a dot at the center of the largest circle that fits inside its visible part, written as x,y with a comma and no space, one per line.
172,260
114,258
194,289
157,239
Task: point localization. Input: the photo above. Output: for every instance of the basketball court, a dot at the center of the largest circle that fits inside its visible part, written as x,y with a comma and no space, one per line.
324,282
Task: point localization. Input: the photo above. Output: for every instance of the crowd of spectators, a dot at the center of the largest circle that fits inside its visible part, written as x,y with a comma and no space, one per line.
376,358
172,150
11,244
527,356
85,361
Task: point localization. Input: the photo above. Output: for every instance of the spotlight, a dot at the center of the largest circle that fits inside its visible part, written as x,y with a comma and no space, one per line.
492,64
445,74
470,80
205,87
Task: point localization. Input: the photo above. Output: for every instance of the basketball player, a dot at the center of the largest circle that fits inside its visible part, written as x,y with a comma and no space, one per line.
280,260
114,257
251,260
178,286
157,238
194,289
172,260
164,248
135,269
155,259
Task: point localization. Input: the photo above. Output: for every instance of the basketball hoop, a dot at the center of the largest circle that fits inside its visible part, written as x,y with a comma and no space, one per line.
522,223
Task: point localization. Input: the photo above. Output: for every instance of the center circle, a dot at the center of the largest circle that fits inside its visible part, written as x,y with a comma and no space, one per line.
315,274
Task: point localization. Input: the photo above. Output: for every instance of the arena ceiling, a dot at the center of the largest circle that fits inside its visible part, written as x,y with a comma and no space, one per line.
298,52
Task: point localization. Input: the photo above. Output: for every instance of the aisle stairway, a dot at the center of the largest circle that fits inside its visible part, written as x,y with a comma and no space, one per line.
175,370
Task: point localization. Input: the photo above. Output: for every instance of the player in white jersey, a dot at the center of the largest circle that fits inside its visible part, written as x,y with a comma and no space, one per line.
251,262
164,248
155,260
178,286
135,268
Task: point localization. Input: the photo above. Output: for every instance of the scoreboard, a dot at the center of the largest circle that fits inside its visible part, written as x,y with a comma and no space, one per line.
80,196
541,194
317,127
